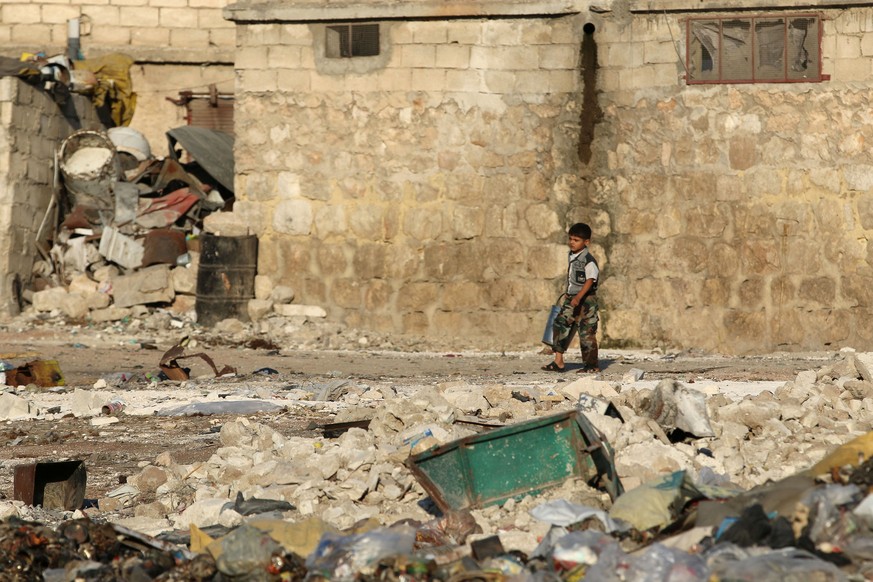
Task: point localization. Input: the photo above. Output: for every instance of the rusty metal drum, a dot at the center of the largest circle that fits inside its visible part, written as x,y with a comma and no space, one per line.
225,277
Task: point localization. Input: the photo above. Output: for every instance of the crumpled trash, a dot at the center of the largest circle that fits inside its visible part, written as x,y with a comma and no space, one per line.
340,557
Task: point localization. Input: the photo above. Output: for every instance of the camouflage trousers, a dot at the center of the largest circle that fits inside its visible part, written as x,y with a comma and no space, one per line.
584,319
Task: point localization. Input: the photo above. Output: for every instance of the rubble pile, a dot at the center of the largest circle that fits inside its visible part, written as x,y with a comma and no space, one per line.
764,487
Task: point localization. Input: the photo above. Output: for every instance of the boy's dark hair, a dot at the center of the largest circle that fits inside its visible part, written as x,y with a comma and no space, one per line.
581,230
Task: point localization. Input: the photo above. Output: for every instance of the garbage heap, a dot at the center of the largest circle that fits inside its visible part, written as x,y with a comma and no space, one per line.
130,222
270,507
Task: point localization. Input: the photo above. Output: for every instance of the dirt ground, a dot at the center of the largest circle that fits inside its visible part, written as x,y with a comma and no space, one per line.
113,453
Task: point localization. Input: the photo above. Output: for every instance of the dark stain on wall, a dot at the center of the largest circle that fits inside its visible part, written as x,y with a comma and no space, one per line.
591,113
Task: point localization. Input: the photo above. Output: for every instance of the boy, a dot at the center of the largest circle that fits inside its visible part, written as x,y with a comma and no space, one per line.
579,308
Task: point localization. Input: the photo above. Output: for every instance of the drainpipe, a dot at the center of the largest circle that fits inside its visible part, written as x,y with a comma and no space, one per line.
73,44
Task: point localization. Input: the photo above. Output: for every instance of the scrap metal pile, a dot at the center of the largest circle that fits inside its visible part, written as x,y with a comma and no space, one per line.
126,212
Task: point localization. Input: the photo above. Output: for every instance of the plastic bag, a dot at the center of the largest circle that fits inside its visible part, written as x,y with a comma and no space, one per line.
785,565
340,557
662,564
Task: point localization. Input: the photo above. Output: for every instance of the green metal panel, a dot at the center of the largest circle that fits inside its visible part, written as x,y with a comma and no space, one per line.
514,461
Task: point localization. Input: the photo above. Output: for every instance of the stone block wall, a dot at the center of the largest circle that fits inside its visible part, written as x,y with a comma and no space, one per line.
177,45
32,127
737,218
426,191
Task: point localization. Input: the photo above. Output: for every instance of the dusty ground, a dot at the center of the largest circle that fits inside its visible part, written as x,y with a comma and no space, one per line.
112,453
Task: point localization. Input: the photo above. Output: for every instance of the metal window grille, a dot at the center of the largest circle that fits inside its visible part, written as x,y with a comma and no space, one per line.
352,40
758,49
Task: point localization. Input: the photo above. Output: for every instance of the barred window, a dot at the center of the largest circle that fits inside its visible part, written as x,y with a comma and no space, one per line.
352,40
758,49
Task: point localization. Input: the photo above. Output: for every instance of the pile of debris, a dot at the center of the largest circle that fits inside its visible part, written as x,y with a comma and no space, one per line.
129,234
688,484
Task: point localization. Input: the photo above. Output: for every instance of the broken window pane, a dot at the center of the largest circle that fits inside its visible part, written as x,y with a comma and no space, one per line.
754,49
770,43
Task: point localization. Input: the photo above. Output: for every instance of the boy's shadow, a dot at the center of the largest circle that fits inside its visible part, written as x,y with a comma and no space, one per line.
576,367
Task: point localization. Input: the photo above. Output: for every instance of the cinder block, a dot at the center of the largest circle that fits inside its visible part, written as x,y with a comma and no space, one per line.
429,79
187,38
295,34
259,81
452,56
400,33
503,58
421,56
532,81
219,4
102,16
168,3
501,32
500,82
54,14
150,36
32,35
395,80
284,57
179,18
293,80
429,32
111,35
251,57
852,69
468,81
848,47
212,18
660,52
564,81
223,37
140,16
20,13
464,32
558,56
121,3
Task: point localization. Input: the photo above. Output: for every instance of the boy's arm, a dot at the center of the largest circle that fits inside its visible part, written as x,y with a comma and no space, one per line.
578,297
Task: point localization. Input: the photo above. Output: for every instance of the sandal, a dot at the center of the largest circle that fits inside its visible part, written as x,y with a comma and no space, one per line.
553,367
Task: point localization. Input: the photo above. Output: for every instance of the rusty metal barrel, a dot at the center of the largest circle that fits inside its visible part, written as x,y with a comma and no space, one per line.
225,277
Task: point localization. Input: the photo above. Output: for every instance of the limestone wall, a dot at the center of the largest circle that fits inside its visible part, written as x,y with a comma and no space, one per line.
177,44
32,126
738,215
426,191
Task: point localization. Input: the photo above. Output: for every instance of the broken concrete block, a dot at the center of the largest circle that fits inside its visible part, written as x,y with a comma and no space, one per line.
48,299
150,285
282,294
632,375
183,304
673,405
88,403
864,365
105,273
96,300
313,311
185,280
263,286
230,326
149,479
12,407
104,420
73,305
859,389
590,386
467,398
259,308
81,283
111,313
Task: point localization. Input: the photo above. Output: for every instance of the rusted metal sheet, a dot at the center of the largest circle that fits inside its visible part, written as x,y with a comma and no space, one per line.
163,246
164,211
52,485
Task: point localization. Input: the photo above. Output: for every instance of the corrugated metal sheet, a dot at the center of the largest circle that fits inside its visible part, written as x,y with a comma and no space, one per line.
212,149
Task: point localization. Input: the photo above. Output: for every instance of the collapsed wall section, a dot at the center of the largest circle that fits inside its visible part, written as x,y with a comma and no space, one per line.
32,127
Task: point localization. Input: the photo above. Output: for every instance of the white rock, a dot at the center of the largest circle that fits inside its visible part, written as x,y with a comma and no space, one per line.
208,512
13,407
259,308
104,420
292,310
590,386
282,294
48,299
